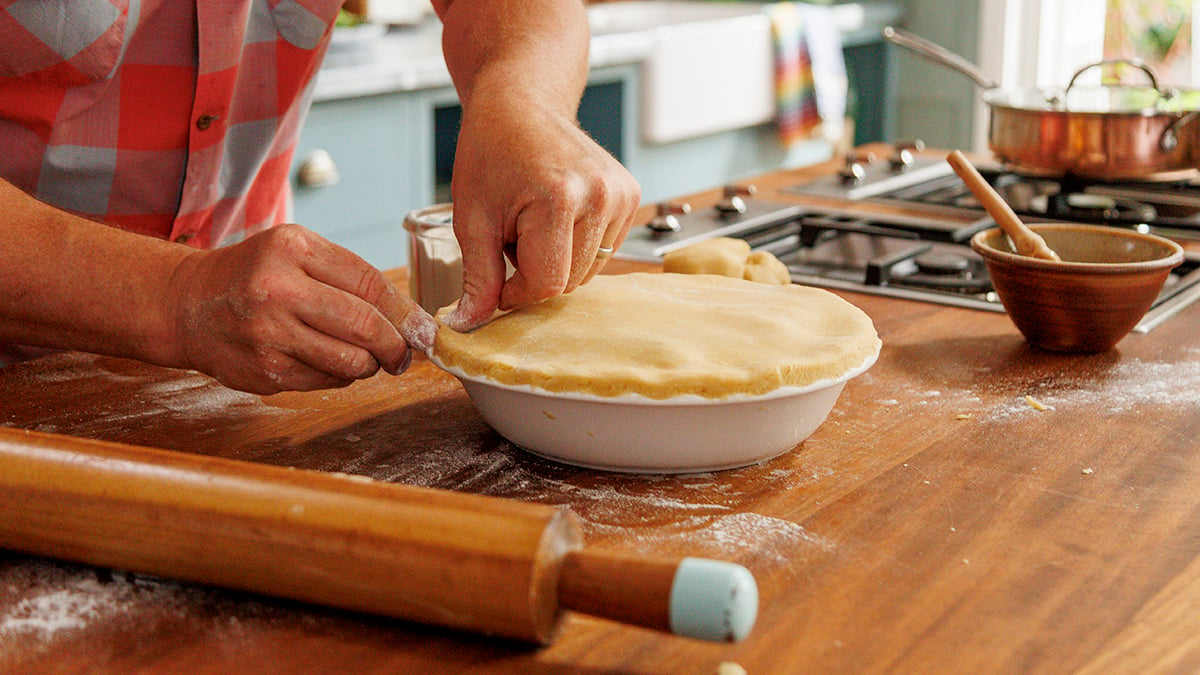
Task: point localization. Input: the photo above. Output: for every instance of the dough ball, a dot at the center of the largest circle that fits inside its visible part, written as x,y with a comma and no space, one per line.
727,257
723,256
765,268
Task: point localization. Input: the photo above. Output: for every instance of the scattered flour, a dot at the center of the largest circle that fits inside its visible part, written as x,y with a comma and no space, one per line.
1127,387
55,600
706,514
196,395
47,603
58,610
1123,388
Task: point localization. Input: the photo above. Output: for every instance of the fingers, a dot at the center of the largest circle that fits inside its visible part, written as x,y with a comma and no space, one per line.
547,194
286,309
373,324
613,237
554,250
481,242
545,262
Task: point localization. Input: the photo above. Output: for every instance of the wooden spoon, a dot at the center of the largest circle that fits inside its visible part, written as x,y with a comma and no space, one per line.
1026,241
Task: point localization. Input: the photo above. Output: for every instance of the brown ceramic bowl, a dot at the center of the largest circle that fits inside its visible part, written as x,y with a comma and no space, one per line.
1105,283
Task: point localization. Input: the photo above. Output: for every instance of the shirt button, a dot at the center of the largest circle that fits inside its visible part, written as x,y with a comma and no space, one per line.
205,121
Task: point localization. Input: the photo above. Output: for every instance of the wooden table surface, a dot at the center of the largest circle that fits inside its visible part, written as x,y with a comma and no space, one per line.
938,521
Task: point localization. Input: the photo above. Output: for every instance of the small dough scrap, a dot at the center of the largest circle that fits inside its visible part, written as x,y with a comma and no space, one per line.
667,335
765,268
727,257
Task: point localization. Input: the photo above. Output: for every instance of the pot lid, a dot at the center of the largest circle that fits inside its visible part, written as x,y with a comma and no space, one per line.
1096,100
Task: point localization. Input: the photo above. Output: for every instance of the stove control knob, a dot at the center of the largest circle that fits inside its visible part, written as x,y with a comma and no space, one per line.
902,156
855,168
731,199
665,220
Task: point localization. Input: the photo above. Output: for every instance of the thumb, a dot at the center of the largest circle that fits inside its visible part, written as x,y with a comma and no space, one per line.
414,324
483,278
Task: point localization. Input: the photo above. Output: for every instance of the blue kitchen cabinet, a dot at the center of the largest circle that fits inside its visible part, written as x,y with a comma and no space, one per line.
382,161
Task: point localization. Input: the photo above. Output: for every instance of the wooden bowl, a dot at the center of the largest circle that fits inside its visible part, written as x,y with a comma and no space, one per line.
1108,278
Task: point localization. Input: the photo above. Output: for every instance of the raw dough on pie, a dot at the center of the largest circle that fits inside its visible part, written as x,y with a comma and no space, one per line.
765,268
728,257
665,335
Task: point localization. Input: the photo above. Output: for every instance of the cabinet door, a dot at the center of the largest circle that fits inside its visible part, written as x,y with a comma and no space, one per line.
381,158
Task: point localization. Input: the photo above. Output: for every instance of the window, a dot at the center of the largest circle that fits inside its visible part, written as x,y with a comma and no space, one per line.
1042,43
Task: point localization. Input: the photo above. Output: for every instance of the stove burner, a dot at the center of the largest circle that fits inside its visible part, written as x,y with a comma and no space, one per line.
1093,208
942,263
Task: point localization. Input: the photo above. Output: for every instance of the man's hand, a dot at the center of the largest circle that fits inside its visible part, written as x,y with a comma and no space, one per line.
528,183
288,310
532,186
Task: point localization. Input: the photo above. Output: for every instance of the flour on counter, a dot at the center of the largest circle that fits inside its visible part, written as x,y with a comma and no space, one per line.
1129,385
198,395
49,602
706,513
1122,388
58,610
60,599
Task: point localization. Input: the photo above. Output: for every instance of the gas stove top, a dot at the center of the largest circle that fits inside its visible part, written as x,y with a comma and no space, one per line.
930,184
834,235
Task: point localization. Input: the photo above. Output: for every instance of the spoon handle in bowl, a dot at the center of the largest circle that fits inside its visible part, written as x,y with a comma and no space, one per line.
1026,241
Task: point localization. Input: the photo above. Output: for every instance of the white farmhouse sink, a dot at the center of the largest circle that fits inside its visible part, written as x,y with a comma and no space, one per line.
630,16
710,64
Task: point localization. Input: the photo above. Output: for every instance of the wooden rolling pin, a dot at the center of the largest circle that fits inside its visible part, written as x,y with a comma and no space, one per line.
495,566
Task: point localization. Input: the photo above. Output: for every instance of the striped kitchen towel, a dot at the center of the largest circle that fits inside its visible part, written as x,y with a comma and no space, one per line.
810,72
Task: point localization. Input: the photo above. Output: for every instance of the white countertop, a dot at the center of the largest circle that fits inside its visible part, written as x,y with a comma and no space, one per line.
410,58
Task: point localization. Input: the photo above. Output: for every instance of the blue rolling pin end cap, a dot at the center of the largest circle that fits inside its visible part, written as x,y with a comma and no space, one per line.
713,600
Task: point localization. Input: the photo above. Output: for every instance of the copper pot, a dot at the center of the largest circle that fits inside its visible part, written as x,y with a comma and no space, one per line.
1104,133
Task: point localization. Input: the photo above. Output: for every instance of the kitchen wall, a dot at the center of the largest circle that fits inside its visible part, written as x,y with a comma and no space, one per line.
935,104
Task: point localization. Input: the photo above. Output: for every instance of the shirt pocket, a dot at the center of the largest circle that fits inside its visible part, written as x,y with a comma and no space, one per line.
69,42
304,24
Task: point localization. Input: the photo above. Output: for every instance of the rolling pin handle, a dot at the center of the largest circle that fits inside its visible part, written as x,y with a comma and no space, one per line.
693,597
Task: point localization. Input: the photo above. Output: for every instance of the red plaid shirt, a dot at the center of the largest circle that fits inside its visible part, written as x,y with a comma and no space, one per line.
173,118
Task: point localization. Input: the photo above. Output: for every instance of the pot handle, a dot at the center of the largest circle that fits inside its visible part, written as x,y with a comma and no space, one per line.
1170,136
1140,65
938,54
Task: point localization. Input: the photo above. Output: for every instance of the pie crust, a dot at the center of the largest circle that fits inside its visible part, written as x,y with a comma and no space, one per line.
667,335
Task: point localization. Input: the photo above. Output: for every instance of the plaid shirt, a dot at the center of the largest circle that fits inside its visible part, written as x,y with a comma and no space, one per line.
173,118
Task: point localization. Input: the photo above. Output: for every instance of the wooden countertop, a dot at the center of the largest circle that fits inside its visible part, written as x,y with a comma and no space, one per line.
937,522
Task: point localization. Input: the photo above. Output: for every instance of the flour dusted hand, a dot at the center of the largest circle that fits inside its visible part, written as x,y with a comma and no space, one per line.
288,310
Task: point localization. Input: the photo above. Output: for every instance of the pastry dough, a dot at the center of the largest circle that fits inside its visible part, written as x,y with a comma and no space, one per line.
665,335
728,257
765,268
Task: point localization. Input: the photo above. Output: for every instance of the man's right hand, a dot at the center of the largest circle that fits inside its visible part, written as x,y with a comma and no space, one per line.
288,310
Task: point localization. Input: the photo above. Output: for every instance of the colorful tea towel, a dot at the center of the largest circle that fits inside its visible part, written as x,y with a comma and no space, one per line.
810,72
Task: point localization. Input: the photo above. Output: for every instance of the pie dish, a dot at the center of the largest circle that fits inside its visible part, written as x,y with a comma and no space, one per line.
663,372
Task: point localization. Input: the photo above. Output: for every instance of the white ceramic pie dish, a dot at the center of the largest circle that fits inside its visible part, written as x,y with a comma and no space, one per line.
635,434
